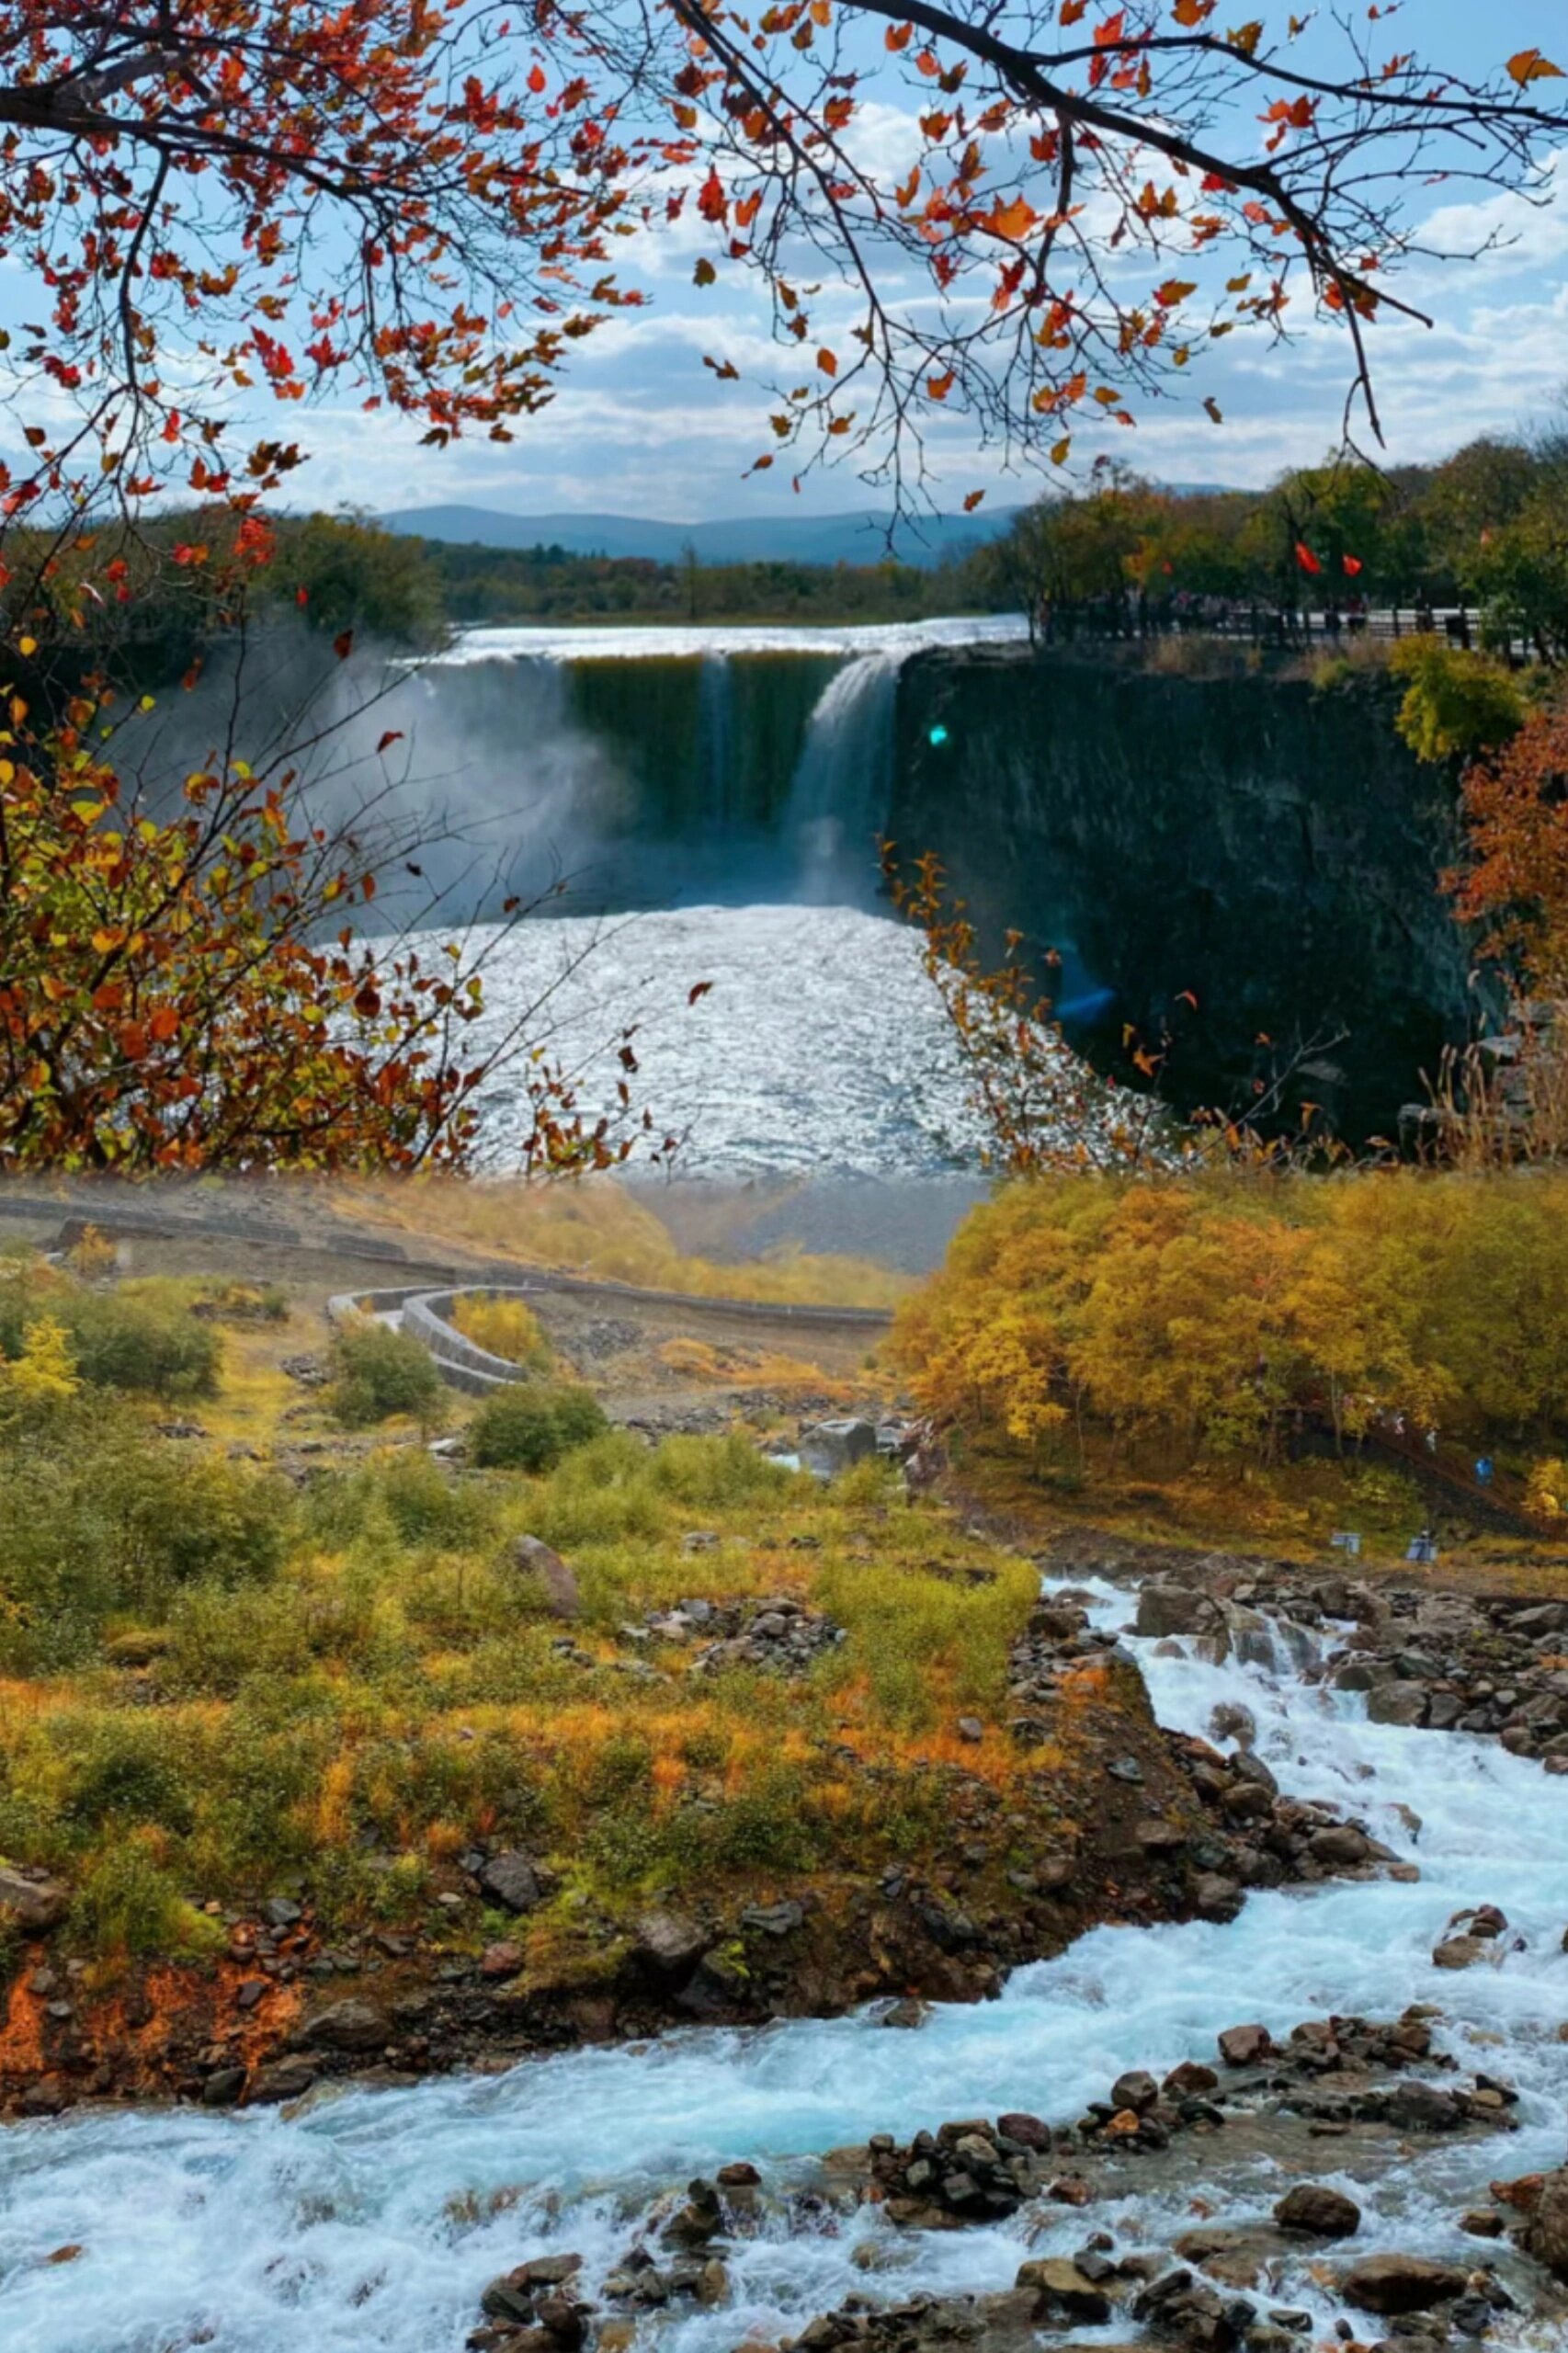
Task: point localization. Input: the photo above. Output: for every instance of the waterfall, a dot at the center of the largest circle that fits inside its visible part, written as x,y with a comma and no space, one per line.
715,738
843,785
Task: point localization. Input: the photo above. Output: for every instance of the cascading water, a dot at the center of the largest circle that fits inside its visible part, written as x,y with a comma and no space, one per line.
373,2219
839,807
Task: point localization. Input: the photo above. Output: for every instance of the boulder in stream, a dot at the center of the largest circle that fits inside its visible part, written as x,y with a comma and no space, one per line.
1547,2237
1392,2284
1318,2211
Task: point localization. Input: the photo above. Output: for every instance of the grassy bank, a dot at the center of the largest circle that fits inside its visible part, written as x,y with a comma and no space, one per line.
247,1651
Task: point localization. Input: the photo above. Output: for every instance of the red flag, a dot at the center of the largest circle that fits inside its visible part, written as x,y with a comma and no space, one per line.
1305,557
1352,564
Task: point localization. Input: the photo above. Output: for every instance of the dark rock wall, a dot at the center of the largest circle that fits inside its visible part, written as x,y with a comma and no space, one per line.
1268,845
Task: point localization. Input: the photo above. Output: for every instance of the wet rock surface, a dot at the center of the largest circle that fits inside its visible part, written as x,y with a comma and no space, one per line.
1495,1665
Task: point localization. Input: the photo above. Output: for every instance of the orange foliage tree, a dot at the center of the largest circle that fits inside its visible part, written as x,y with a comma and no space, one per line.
1516,807
170,999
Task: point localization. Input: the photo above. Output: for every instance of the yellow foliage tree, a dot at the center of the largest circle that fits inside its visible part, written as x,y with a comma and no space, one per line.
1202,1315
43,1376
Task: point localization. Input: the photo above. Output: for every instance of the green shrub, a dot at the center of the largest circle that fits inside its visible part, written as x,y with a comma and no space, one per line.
123,1773
220,1639
187,1515
1456,704
108,1520
381,1372
532,1427
141,1338
126,1903
427,1505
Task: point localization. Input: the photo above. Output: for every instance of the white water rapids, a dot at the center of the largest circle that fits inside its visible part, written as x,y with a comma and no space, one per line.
353,2225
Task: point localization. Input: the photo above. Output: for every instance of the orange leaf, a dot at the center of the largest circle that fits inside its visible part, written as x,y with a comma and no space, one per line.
1013,219
973,501
898,37
1529,67
827,363
343,644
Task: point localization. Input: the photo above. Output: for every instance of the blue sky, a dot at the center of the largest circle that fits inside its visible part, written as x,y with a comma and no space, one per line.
642,427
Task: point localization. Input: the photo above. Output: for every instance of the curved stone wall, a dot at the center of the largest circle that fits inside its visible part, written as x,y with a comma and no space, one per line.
463,1364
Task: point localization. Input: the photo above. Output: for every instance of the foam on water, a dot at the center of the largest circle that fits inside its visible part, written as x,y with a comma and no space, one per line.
364,2223
675,640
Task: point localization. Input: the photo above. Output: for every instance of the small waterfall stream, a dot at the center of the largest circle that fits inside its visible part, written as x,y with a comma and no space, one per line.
372,2219
842,791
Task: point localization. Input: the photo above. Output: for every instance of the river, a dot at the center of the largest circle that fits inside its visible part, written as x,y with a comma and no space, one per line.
374,2219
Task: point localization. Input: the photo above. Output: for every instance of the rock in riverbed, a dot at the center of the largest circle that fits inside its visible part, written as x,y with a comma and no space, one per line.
1318,2212
1393,2284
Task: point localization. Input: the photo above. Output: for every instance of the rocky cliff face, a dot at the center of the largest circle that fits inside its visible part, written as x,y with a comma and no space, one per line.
1264,844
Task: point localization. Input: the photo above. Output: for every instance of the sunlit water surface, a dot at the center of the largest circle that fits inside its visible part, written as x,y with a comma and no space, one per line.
818,1042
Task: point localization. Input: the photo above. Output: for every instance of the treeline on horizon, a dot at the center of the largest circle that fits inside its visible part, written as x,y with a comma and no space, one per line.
1486,527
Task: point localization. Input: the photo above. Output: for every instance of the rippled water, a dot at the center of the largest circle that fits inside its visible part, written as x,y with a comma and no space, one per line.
350,2226
820,1046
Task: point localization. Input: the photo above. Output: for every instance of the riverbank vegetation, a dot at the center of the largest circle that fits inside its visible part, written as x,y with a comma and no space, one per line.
302,1656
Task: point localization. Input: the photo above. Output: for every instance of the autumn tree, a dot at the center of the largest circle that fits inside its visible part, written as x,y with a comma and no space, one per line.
426,209
1515,882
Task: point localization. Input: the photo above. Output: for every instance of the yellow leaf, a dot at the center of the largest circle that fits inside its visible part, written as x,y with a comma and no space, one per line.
28,644
1246,37
1175,290
1058,450
1529,67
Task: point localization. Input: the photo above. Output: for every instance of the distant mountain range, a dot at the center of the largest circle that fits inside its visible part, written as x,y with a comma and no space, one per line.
786,539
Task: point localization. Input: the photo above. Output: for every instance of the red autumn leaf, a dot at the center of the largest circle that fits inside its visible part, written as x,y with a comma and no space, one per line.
1353,564
343,644
1305,557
